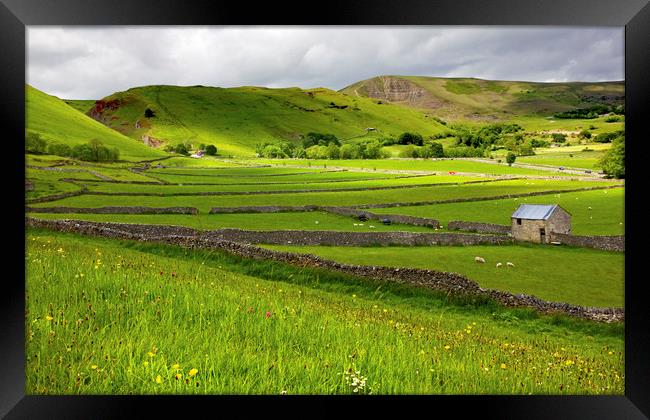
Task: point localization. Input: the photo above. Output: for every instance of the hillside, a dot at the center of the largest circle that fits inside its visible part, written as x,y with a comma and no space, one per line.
58,122
236,119
477,99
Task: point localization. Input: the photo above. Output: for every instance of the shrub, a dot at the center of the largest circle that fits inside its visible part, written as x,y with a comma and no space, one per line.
607,137
34,143
539,143
210,149
584,134
316,152
558,137
510,158
59,149
148,113
409,152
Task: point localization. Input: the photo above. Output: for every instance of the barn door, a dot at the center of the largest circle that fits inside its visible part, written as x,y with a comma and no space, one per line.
542,235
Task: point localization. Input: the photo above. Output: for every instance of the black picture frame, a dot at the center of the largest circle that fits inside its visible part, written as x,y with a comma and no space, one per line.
15,15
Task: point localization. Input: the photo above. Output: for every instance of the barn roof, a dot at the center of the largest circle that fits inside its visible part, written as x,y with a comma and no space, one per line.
534,211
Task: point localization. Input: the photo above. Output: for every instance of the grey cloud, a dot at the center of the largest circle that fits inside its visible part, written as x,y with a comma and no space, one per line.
92,62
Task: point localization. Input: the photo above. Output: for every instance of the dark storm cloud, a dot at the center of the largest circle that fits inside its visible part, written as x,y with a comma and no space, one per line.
92,62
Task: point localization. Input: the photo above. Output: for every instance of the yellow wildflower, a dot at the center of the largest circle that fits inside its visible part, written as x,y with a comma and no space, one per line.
176,366
503,366
158,379
93,367
178,376
145,363
193,372
447,347
49,318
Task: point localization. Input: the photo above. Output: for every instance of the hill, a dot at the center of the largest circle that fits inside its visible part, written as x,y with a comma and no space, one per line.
477,99
236,119
58,122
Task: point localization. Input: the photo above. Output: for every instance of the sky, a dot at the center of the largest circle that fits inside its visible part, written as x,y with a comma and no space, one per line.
94,62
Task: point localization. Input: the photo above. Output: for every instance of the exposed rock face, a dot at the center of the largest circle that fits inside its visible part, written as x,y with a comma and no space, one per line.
395,89
151,141
98,111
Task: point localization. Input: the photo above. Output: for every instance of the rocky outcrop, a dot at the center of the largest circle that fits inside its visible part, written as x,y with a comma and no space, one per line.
396,89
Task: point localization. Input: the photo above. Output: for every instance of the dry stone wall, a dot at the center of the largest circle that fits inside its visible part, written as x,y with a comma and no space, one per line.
607,243
114,210
442,281
479,227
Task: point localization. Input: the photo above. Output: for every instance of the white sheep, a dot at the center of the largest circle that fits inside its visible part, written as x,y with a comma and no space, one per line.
479,259
509,264
372,227
499,265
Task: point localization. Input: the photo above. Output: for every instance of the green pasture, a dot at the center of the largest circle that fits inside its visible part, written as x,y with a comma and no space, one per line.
117,317
606,216
261,188
580,276
340,198
438,165
309,221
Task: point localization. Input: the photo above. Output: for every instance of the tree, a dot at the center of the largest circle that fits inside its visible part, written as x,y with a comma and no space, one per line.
510,158
313,139
613,162
349,151
210,149
273,151
34,143
148,113
59,149
410,138
333,151
437,150
181,149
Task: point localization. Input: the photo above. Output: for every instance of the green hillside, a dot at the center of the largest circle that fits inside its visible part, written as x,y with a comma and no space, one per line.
470,98
235,119
58,122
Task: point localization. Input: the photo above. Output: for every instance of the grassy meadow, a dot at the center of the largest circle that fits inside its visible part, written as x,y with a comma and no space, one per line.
109,317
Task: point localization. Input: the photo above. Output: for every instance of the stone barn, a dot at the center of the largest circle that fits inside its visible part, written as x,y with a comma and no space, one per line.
535,222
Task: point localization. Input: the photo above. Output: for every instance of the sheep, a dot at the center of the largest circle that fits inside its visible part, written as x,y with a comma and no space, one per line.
509,264
371,227
479,259
499,265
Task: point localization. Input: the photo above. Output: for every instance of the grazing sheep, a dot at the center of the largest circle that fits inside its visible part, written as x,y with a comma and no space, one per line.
479,259
499,265
509,264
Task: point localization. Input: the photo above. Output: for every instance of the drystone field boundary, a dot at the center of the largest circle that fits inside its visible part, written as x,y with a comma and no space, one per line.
436,280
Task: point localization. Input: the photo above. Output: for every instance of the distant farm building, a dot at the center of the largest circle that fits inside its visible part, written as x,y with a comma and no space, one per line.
198,154
534,222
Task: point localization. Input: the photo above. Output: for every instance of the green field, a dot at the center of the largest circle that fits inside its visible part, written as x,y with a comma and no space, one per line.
248,221
109,317
606,216
593,278
425,165
343,198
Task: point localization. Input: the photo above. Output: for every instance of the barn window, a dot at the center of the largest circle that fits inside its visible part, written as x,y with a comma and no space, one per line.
518,221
